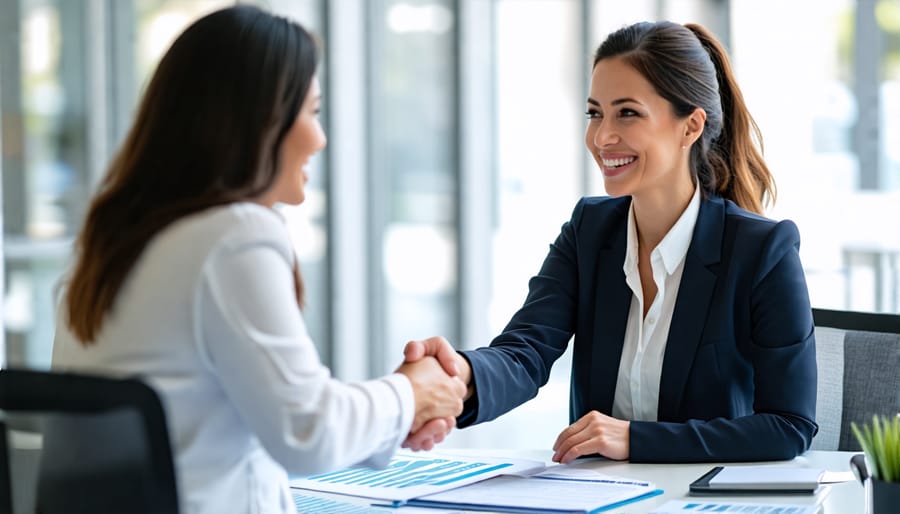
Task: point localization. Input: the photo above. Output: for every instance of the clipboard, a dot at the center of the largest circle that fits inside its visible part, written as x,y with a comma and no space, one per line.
702,486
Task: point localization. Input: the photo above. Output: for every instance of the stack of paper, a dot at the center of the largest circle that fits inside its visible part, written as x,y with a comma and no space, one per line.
559,489
481,483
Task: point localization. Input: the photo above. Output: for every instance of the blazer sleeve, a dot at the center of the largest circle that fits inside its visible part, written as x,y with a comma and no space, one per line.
517,363
782,353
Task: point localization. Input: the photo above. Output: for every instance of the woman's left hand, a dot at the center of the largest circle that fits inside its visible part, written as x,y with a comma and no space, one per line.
593,433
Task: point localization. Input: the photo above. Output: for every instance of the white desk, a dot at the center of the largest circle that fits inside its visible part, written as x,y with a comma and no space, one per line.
845,498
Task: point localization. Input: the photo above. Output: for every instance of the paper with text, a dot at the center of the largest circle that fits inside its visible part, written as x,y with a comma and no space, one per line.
691,507
411,475
542,494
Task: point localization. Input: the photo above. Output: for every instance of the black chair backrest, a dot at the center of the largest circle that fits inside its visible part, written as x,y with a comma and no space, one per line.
105,443
859,373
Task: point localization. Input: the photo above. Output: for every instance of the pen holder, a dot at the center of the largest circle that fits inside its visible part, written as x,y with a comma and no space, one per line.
885,496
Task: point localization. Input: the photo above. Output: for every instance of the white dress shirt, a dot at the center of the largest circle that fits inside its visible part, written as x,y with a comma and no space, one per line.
208,316
637,385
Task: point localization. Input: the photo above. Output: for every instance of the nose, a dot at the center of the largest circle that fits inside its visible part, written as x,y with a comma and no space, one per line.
601,133
321,139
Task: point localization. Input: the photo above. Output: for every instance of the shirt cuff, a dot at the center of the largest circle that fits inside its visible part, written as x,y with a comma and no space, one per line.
406,400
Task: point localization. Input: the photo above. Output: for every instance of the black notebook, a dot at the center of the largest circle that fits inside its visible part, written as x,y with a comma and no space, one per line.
767,480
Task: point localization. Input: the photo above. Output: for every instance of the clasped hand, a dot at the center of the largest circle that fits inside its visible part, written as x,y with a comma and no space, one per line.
431,368
594,433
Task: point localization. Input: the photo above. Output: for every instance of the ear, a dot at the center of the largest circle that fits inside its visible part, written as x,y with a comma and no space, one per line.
693,126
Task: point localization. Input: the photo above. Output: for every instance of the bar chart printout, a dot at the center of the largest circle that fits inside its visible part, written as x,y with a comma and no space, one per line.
697,507
411,475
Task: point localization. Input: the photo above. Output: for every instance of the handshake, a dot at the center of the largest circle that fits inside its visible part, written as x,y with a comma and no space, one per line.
439,378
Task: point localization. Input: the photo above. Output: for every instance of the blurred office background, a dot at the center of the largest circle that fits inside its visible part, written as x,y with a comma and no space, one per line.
455,131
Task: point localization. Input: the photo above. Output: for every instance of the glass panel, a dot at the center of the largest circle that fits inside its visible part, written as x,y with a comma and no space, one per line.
413,180
813,145
887,18
44,165
539,123
49,123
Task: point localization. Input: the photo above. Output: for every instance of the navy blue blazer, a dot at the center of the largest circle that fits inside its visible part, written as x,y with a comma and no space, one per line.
739,373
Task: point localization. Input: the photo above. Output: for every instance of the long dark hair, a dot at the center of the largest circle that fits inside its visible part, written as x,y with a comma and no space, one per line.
207,132
688,67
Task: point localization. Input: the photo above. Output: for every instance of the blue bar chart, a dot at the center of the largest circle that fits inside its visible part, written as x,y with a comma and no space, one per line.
409,475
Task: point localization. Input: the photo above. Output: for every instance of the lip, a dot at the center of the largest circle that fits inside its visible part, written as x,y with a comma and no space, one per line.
613,172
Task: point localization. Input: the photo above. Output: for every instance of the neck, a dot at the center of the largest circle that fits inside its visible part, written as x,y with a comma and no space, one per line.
656,212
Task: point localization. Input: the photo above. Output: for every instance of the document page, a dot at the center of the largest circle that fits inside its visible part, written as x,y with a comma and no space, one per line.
541,494
689,507
410,475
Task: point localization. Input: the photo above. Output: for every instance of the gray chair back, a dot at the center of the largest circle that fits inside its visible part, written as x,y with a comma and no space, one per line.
858,358
105,445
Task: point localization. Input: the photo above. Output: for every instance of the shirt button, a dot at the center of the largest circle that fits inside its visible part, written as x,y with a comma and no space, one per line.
651,320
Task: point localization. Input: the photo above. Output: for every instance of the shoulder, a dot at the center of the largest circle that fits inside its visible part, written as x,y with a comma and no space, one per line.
600,205
759,230
600,211
758,241
233,227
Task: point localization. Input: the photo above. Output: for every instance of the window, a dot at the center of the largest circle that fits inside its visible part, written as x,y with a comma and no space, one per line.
70,85
455,154
828,133
412,174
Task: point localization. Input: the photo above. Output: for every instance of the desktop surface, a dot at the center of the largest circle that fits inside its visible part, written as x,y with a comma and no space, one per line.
674,479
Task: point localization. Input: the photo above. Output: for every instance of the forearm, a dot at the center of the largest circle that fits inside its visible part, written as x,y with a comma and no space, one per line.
756,437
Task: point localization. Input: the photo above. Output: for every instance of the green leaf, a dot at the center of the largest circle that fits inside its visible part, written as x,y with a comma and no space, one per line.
881,443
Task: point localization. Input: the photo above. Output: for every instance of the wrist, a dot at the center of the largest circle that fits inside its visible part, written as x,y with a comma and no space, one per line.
465,374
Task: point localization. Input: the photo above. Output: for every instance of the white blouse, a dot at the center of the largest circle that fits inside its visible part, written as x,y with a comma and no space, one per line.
208,316
637,385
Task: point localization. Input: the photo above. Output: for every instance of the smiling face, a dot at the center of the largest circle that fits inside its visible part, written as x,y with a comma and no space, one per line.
634,135
304,139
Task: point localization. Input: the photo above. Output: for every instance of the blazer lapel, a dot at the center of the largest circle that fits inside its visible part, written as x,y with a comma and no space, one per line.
613,299
695,293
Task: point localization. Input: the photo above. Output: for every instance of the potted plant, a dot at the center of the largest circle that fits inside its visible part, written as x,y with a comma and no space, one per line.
881,443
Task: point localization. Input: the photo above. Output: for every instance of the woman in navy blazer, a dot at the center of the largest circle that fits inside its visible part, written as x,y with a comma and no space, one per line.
734,376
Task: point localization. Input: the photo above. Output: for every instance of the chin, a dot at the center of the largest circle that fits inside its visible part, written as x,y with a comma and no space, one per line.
616,190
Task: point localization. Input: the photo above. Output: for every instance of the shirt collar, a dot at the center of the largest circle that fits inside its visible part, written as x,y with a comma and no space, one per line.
674,246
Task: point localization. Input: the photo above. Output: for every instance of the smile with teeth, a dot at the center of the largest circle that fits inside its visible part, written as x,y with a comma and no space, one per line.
615,163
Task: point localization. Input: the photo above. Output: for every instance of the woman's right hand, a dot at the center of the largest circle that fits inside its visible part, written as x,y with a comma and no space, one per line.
437,394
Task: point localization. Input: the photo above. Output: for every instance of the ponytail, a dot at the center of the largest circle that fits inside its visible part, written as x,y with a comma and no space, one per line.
734,159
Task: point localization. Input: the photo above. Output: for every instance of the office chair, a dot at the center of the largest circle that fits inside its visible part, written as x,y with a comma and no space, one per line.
858,356
105,443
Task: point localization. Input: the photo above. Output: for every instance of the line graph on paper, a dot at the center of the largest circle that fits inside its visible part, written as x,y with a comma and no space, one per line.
410,475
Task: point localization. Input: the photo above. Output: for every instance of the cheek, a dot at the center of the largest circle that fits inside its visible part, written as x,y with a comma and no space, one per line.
589,134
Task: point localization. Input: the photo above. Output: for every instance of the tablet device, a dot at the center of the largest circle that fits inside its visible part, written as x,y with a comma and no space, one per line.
756,480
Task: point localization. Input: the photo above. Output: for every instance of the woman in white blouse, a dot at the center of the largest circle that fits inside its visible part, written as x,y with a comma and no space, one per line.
186,276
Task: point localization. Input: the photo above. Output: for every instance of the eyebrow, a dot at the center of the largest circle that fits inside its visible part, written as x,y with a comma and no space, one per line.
614,102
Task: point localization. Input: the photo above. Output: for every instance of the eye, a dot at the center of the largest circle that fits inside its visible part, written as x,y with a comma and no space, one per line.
628,113
593,114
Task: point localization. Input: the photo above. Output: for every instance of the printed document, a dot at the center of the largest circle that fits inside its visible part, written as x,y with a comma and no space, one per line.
690,507
542,493
410,475
482,483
